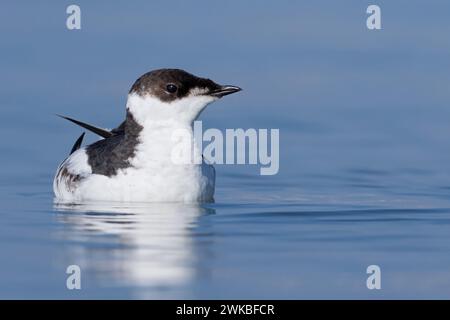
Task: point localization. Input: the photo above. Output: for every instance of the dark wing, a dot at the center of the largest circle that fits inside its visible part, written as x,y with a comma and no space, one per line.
101,132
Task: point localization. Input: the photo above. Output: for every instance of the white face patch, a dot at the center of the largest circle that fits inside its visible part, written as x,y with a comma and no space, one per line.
198,91
149,109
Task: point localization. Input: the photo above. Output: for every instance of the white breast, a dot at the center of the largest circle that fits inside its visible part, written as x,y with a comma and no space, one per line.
153,177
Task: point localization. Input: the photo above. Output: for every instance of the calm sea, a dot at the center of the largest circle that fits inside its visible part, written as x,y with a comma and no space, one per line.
364,151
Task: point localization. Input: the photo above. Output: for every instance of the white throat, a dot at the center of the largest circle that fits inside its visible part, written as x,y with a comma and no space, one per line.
150,110
167,135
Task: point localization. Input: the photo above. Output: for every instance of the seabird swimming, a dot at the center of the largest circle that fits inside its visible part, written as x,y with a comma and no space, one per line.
134,162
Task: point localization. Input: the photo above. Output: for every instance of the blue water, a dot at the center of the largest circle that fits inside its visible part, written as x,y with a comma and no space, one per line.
364,151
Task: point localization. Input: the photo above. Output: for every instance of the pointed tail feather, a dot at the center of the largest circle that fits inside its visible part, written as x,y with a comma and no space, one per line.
77,143
99,131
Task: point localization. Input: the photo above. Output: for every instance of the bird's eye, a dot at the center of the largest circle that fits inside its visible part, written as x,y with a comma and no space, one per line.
171,88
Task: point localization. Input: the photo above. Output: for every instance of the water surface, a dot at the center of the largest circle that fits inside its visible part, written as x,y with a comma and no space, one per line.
364,151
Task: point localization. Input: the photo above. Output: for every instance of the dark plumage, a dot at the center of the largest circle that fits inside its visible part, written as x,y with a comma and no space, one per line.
111,154
101,132
156,82
77,143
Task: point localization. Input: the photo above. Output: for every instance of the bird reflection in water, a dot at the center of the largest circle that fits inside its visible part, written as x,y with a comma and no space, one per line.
133,245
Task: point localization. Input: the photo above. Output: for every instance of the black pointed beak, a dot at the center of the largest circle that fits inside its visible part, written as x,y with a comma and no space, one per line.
223,91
